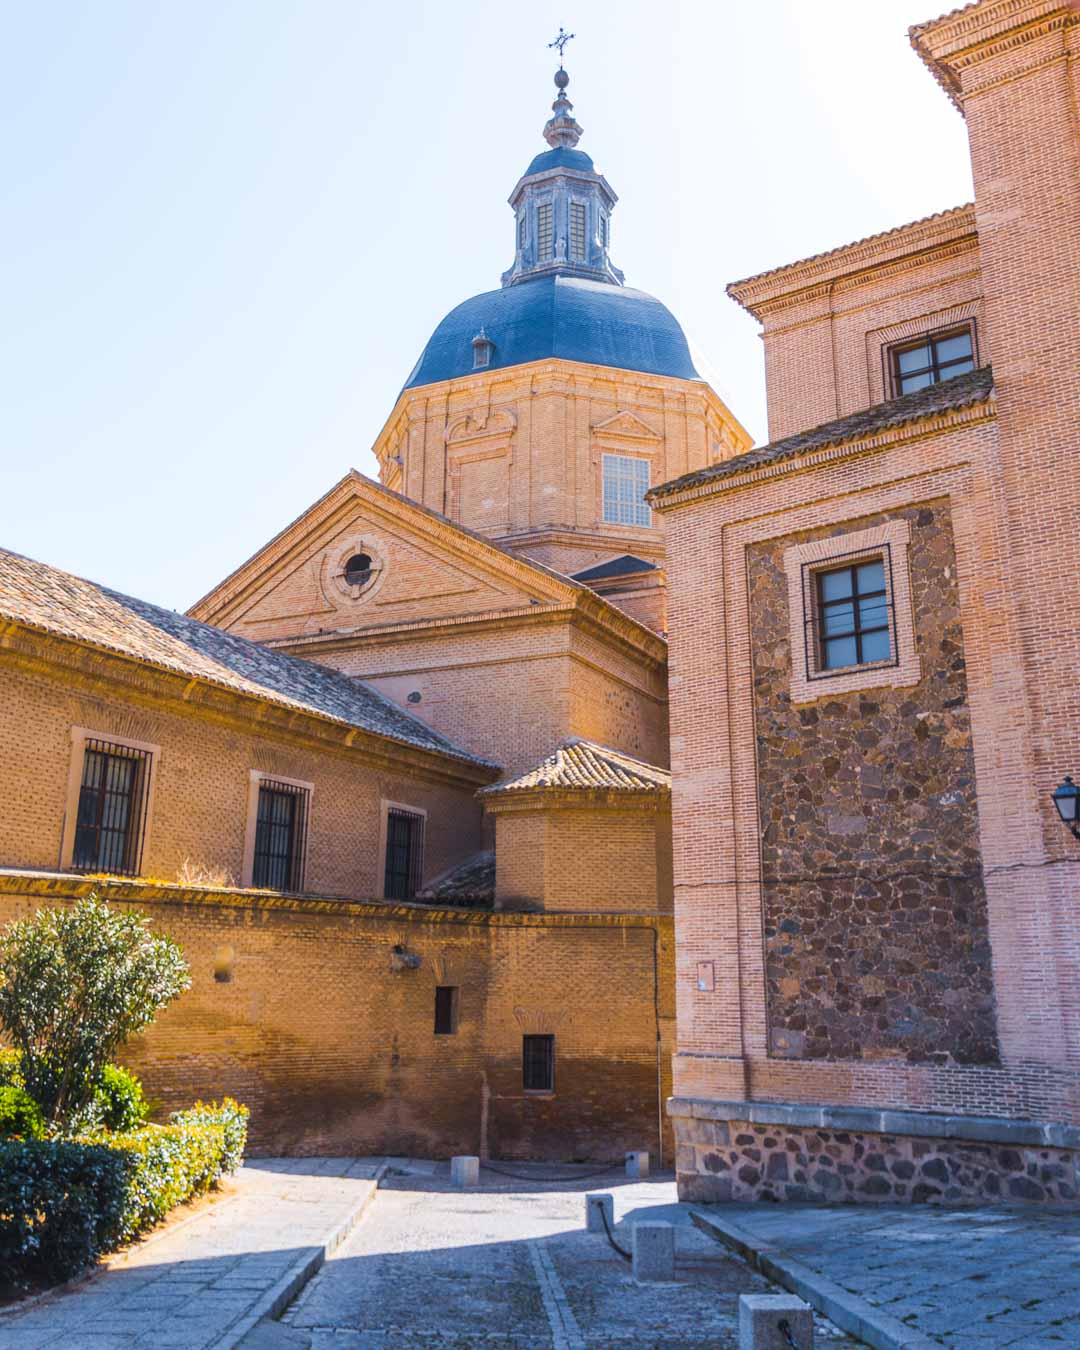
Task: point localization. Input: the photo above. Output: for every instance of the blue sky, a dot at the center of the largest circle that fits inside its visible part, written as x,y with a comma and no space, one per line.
227,227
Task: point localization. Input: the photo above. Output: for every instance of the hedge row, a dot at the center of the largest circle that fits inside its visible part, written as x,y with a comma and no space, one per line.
63,1203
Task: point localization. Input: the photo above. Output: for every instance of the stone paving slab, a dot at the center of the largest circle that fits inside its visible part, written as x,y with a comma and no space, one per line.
205,1281
987,1277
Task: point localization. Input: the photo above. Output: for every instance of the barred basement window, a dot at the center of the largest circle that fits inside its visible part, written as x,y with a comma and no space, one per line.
544,237
932,358
111,820
538,1063
626,481
404,854
577,230
853,615
446,1010
280,836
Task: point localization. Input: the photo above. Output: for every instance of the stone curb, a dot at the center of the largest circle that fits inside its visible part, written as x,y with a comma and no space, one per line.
849,1312
277,1298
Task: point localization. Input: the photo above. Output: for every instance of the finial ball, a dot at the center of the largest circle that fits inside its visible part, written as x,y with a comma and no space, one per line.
561,78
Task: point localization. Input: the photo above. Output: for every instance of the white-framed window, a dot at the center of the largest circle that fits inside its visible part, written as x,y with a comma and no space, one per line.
577,230
107,813
545,236
625,483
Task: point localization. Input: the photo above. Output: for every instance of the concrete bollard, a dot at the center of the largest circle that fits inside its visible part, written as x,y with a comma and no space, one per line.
637,1165
760,1316
654,1251
464,1171
596,1205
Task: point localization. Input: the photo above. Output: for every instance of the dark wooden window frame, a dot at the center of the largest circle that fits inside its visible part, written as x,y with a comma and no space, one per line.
447,997
538,1063
403,857
891,354
812,626
281,825
110,824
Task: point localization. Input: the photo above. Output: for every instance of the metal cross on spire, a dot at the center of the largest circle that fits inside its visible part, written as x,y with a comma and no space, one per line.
560,42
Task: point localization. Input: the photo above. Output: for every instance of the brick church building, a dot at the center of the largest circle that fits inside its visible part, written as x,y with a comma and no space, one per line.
404,784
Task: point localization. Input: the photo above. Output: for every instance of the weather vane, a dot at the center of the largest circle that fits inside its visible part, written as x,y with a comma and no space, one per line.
560,42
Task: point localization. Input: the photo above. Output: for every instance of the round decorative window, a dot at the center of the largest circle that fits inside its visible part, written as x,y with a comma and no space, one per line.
358,570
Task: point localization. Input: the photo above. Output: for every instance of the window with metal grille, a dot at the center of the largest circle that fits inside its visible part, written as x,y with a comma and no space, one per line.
932,358
111,820
521,230
538,1063
626,481
280,836
577,230
446,1010
853,615
404,854
544,236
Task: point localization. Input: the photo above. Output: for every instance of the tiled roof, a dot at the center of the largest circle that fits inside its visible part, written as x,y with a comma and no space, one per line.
950,395
585,765
624,566
45,598
472,884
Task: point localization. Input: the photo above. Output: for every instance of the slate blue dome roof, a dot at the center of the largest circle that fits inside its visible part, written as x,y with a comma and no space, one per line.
560,158
568,317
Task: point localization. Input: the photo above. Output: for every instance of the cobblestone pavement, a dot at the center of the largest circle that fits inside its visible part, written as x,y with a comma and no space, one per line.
198,1282
507,1265
1000,1276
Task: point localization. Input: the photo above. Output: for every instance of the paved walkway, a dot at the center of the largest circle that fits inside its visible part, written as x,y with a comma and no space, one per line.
205,1281
1000,1276
507,1266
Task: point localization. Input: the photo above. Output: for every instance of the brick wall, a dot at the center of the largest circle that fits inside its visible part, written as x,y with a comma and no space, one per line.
336,1053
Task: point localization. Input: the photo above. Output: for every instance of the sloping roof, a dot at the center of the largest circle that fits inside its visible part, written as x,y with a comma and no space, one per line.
624,566
45,598
949,395
471,884
582,764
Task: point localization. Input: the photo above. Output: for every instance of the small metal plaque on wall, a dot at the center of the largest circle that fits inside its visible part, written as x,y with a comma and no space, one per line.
706,977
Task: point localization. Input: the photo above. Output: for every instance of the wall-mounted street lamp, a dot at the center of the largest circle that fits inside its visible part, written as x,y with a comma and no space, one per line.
1067,800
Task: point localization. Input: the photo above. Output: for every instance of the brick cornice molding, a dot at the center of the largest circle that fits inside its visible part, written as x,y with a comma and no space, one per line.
937,237
99,671
576,799
953,44
982,411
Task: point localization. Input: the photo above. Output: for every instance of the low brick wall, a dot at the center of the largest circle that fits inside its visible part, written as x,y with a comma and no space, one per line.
725,1156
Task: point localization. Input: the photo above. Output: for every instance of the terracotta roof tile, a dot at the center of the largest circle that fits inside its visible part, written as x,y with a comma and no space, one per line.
949,395
581,764
45,598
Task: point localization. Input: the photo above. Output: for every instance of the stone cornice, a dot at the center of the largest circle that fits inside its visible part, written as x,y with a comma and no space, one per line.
935,237
100,671
151,893
990,28
933,425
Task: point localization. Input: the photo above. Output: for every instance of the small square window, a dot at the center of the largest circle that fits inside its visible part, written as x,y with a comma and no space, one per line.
853,615
932,358
446,1010
538,1063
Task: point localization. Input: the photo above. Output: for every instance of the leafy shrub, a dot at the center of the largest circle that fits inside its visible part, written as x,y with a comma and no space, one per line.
118,1099
9,1069
20,1114
65,1202
75,983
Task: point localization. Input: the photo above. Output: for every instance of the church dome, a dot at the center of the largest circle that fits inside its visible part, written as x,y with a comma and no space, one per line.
568,317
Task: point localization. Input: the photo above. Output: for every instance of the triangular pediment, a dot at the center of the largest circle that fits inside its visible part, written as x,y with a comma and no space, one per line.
313,578
626,426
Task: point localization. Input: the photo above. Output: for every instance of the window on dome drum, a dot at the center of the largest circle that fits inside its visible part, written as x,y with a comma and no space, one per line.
544,237
446,1010
521,230
626,481
404,854
358,570
603,230
280,836
932,358
853,615
538,1063
111,819
577,230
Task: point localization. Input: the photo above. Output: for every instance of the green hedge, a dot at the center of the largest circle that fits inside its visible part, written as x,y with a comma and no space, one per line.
64,1203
